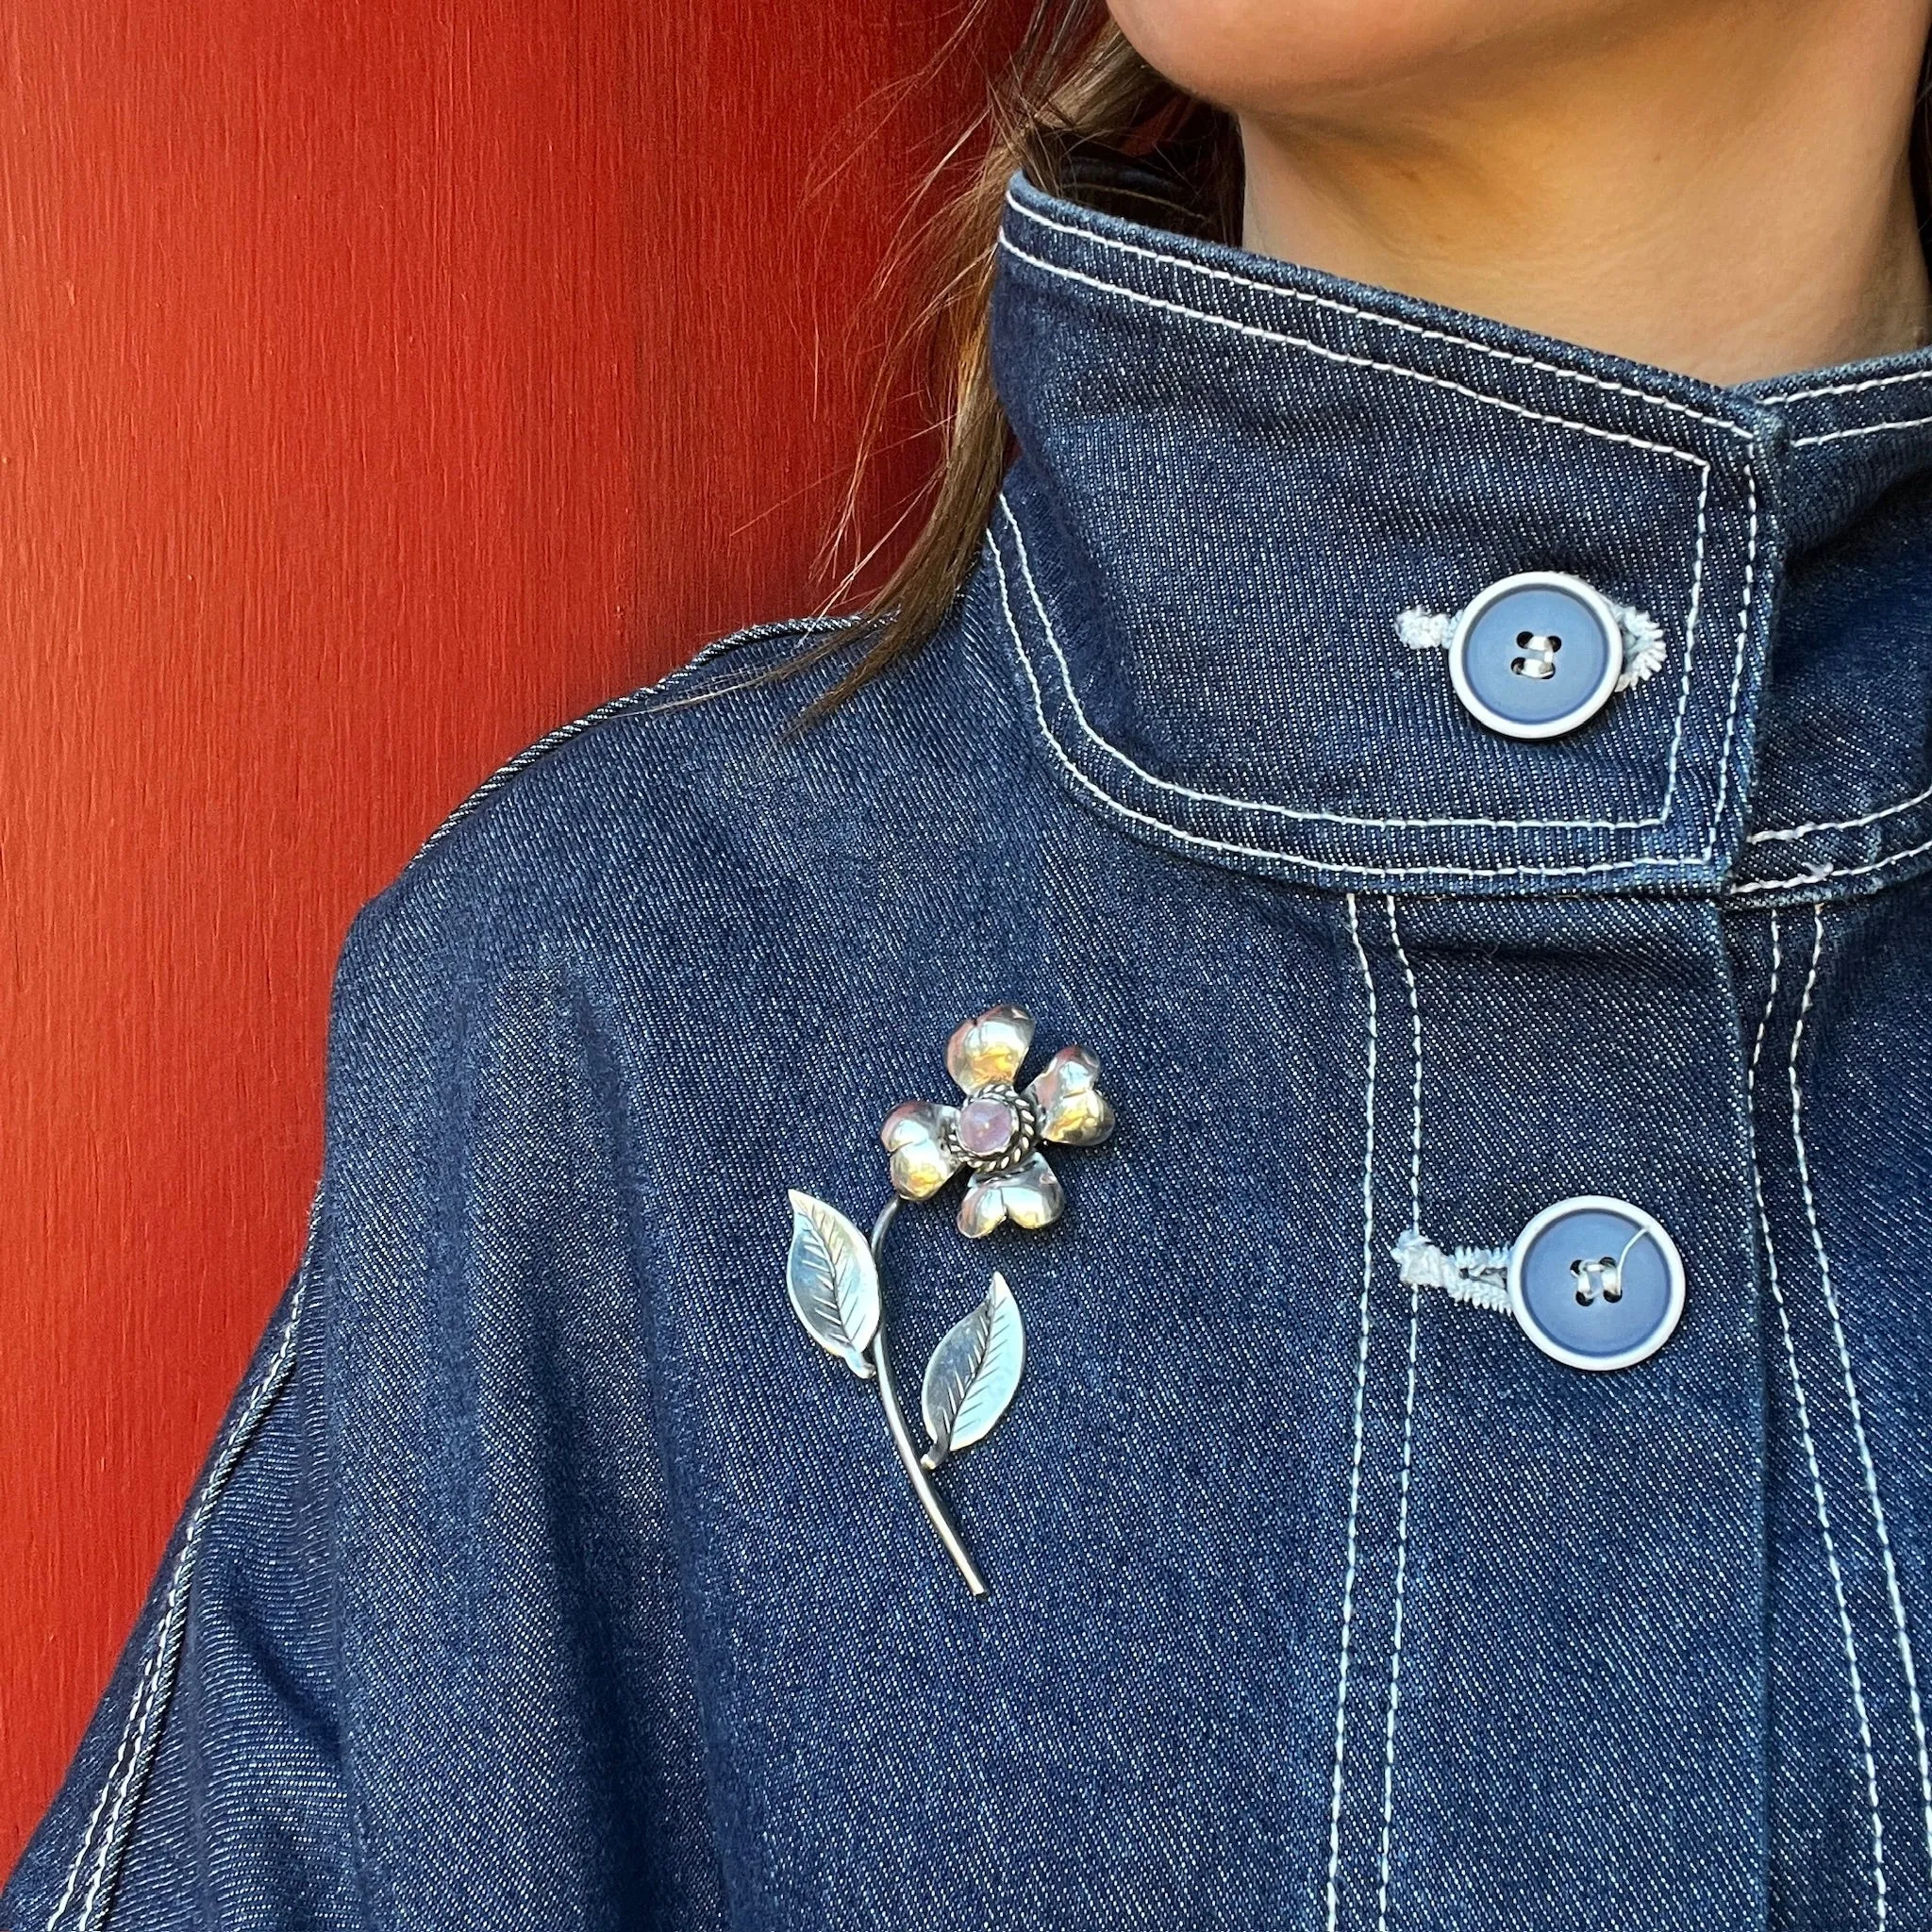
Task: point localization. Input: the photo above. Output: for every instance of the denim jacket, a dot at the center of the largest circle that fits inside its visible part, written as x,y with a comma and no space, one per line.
548,1574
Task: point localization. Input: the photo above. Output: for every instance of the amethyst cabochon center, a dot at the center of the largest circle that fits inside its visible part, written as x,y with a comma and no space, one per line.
987,1126
996,1127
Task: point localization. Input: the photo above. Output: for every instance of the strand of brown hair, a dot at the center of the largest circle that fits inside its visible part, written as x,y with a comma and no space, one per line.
1073,79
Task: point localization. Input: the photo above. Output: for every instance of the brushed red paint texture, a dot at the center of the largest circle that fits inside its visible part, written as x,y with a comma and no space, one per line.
381,383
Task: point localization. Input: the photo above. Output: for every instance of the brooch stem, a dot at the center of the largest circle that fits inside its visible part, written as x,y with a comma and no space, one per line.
902,1437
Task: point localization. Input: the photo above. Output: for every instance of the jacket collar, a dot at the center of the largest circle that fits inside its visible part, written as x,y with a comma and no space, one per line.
1235,474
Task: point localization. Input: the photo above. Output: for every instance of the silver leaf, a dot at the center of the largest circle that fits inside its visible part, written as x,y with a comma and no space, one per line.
832,1280
973,1373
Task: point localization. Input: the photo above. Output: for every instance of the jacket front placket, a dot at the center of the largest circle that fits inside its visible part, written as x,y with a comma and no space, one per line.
1287,578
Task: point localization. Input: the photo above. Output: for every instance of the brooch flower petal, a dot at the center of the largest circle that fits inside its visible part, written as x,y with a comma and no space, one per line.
996,1129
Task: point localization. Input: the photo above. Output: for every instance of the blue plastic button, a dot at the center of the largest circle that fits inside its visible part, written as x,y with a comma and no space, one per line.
1596,1283
1537,654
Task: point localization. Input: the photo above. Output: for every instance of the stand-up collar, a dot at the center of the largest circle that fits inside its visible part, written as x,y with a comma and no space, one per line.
1236,475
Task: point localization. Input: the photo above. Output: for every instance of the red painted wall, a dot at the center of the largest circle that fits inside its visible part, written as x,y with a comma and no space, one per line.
381,383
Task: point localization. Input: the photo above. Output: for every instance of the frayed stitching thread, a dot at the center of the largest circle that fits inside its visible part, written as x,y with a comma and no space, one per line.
1478,1277
1423,629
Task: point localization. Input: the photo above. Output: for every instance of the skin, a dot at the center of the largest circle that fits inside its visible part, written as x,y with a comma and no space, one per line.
1719,187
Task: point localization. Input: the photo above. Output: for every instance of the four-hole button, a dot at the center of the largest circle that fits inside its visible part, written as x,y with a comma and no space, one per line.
1536,655
1596,1283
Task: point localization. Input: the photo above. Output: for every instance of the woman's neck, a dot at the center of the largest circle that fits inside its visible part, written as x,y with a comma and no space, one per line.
1721,190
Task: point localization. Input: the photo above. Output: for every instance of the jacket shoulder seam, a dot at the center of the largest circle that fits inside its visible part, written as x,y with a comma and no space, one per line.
639,700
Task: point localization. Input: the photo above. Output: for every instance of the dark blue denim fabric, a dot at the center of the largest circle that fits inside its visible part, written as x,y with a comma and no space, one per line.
545,1573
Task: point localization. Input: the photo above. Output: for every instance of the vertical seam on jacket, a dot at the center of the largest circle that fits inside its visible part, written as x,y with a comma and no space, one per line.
1691,622
1415,1216
1361,1374
156,1685
1723,762
1818,1504
1858,1413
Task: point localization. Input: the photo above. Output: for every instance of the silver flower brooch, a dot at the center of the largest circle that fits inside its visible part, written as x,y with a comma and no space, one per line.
995,1132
